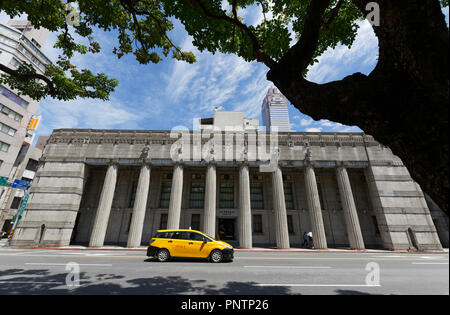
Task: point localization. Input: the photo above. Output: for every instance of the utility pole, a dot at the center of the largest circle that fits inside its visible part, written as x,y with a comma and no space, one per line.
18,216
26,187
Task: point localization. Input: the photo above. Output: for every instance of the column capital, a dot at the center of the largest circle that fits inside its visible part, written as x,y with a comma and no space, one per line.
145,161
178,163
211,162
340,164
311,164
114,162
243,163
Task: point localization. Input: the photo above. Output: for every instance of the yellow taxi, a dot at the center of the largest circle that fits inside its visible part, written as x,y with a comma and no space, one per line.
188,243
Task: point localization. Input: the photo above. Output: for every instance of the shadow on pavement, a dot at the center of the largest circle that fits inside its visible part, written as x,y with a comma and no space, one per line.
41,281
36,281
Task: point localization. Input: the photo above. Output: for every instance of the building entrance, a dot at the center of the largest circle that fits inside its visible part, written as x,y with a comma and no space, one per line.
6,229
226,230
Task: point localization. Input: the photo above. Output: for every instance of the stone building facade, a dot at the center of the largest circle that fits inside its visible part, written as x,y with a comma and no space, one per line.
117,187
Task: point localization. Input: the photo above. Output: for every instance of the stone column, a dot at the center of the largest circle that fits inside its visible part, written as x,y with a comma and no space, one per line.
176,193
209,220
348,206
245,214
281,226
140,204
104,207
314,208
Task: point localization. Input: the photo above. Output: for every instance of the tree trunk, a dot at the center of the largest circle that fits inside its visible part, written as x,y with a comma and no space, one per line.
403,103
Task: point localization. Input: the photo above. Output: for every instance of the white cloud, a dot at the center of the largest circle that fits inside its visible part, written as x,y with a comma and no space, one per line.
219,80
86,113
326,123
314,129
306,122
336,63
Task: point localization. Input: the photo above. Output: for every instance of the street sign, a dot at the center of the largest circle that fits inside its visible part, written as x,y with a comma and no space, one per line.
22,208
24,203
3,180
34,122
21,184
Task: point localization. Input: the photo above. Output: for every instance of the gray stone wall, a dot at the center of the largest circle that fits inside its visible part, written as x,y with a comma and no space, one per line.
390,206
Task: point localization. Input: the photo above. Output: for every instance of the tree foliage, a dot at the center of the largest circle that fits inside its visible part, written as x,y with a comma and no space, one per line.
143,27
409,81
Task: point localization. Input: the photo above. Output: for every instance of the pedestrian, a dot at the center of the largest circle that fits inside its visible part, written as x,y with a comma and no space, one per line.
310,240
305,240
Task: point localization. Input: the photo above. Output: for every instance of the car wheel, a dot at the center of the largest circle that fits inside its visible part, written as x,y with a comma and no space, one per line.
216,256
163,255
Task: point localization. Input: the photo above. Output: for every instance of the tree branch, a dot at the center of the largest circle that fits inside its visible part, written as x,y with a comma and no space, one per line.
258,52
27,77
299,56
334,13
130,7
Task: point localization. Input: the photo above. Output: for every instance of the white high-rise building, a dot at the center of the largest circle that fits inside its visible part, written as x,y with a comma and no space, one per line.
19,42
274,111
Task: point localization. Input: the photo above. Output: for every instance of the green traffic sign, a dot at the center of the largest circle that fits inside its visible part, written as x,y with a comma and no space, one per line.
14,218
24,203
3,180
22,208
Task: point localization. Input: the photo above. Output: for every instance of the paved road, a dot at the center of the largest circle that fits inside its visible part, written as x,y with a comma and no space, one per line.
32,271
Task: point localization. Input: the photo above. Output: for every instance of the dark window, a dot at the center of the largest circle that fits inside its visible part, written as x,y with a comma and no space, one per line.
164,201
163,221
256,195
288,197
16,203
133,194
32,165
257,224
226,195
195,221
290,224
197,196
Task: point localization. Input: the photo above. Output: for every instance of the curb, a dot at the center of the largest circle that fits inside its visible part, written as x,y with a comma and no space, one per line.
248,250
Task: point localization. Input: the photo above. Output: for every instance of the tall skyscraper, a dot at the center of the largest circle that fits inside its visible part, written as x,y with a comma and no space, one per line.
274,111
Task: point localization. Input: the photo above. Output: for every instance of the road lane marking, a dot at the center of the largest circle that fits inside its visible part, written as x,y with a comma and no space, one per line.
68,255
429,263
291,267
313,285
60,264
30,282
335,258
391,256
93,254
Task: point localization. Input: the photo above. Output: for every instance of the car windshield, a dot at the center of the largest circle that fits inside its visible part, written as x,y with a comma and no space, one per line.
210,237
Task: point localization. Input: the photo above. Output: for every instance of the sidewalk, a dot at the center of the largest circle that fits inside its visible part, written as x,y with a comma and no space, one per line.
255,249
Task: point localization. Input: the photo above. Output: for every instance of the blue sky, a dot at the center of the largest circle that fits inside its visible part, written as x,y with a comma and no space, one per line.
172,93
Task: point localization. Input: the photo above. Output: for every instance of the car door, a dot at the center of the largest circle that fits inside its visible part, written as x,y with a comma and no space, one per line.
198,245
164,240
179,244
